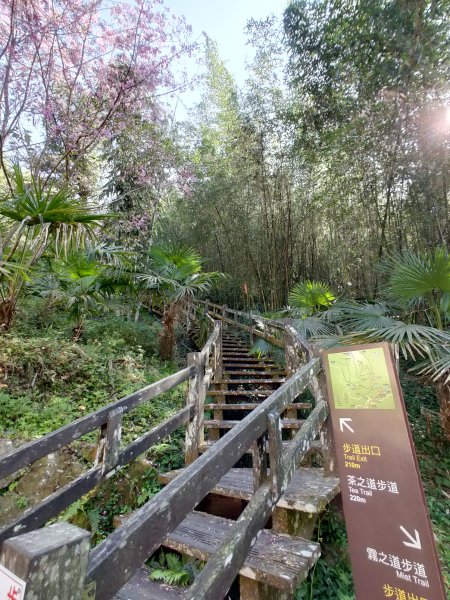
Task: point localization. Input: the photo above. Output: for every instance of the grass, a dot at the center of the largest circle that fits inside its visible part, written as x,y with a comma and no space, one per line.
47,381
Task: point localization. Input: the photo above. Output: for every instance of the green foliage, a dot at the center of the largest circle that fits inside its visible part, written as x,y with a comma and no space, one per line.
172,569
308,297
331,577
48,381
421,280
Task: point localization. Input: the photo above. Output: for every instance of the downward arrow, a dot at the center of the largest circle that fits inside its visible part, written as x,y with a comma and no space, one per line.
415,541
343,423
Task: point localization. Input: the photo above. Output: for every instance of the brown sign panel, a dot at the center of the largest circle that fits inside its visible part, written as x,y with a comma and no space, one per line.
389,532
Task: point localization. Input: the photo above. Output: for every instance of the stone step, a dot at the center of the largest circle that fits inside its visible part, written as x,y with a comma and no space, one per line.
276,559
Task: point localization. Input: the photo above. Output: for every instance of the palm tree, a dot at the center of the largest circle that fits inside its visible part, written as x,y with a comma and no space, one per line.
174,276
33,220
80,283
415,316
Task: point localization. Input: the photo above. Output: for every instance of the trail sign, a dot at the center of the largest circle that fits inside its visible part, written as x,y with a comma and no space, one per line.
11,587
389,532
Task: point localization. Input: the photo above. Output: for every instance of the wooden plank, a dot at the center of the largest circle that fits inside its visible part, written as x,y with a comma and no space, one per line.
140,587
236,381
112,440
303,440
229,359
240,365
274,428
196,398
252,405
33,451
251,373
253,392
275,559
259,460
39,514
114,560
285,423
308,491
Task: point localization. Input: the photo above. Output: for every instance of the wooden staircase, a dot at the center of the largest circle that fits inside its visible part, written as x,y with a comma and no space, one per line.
246,502
282,554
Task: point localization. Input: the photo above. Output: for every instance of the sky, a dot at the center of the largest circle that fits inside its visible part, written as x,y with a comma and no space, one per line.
224,21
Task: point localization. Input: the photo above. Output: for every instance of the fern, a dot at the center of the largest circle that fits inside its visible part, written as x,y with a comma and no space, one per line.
93,516
173,570
72,510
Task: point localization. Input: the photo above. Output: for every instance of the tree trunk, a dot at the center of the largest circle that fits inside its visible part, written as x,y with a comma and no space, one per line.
7,312
167,336
443,394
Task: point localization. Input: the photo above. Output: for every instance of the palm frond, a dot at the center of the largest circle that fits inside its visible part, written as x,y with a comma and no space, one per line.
415,275
310,295
414,340
313,327
437,366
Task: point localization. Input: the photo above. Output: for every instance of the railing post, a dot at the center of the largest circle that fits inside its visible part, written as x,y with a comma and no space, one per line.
52,561
196,394
327,450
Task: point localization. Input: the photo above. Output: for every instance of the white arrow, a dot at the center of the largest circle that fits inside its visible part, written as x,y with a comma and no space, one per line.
415,541
343,423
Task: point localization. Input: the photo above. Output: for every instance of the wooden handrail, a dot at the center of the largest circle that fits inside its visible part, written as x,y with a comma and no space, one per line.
33,451
114,561
117,558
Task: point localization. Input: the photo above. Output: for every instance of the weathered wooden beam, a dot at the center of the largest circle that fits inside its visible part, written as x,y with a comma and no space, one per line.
259,459
195,397
112,440
33,451
275,452
215,579
39,514
302,441
114,561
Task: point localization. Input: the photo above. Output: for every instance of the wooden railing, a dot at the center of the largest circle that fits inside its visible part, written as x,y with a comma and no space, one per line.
111,564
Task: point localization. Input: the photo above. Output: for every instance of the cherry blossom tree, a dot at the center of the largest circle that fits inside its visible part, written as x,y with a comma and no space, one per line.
72,71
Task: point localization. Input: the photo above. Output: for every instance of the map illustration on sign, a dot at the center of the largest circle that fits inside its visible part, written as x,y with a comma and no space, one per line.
360,379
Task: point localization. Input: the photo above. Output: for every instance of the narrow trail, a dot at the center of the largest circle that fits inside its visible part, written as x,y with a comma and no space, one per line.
283,553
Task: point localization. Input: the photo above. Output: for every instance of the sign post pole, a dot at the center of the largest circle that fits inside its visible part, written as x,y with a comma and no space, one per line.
389,532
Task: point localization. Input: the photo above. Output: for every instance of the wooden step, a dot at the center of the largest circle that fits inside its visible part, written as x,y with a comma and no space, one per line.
252,405
277,560
240,381
250,366
249,359
140,587
309,491
207,444
251,373
254,392
225,424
